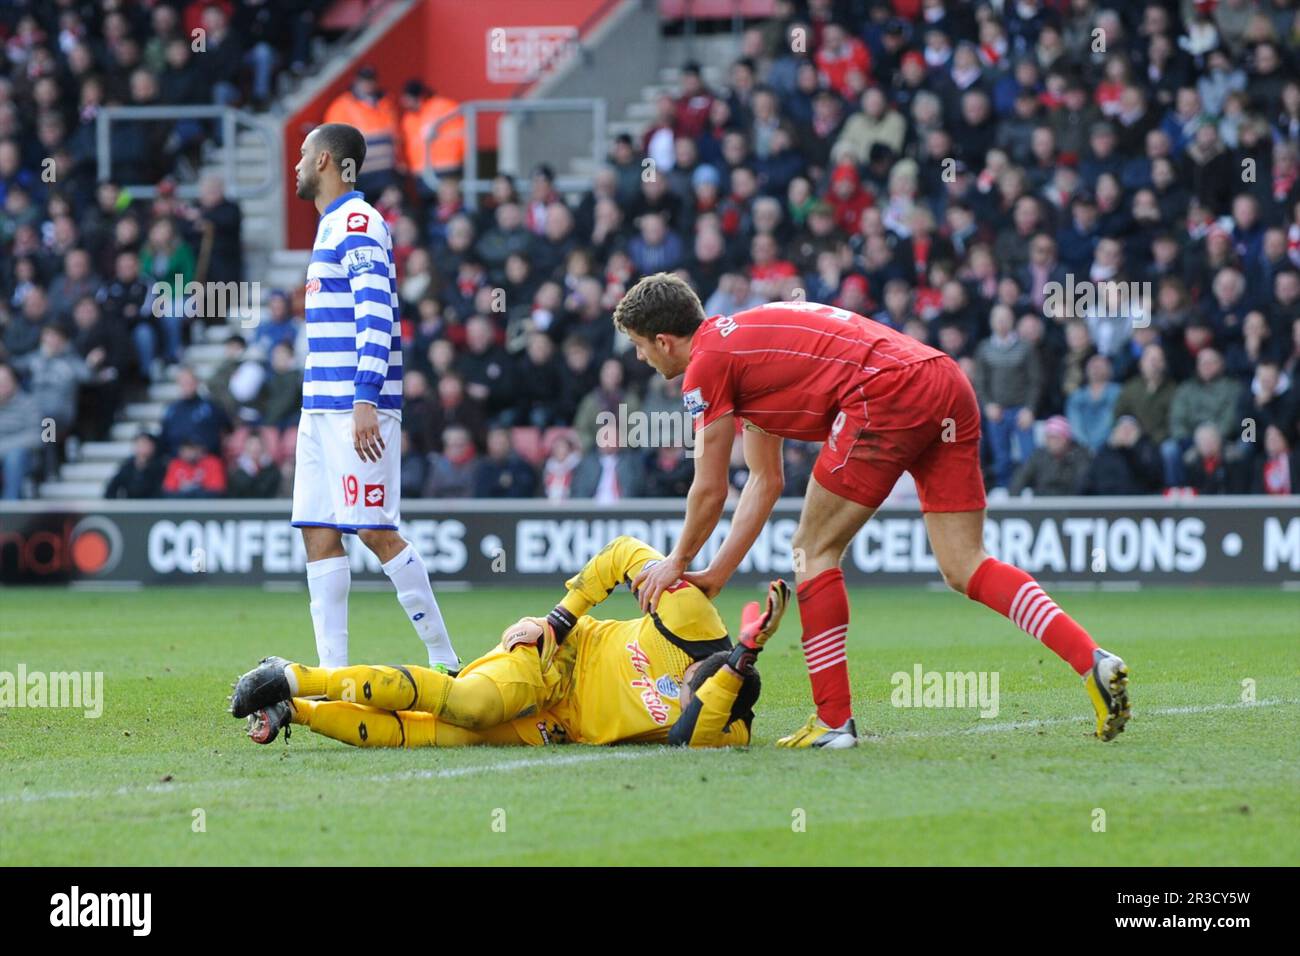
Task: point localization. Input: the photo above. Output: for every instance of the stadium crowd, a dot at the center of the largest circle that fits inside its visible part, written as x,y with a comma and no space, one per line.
944,168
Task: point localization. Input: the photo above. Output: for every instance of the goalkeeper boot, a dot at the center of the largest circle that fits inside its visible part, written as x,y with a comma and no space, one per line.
1107,687
261,687
264,725
817,734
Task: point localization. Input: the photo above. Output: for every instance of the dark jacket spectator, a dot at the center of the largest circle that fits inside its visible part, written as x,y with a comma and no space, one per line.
1128,464
501,473
1058,468
141,475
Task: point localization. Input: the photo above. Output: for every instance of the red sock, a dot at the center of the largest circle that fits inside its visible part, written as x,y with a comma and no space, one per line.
824,612
1014,594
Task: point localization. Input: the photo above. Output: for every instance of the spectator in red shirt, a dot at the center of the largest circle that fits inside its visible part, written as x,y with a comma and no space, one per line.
194,473
843,61
693,103
848,198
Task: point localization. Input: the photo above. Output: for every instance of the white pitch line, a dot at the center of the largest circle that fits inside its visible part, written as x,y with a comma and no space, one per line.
31,796
1006,726
28,796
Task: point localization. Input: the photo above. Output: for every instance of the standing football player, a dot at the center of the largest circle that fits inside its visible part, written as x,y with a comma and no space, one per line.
883,403
347,477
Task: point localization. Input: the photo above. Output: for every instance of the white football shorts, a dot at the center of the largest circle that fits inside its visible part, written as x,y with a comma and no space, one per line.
333,487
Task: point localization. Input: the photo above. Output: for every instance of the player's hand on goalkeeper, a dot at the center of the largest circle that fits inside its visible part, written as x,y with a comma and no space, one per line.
757,625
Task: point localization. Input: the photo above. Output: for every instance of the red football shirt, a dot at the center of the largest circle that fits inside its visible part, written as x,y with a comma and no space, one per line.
789,367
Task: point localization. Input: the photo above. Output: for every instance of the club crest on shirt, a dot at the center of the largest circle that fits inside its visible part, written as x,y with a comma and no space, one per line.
694,402
667,686
358,261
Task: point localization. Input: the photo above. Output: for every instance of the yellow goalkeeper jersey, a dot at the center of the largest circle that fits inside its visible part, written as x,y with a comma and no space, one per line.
627,675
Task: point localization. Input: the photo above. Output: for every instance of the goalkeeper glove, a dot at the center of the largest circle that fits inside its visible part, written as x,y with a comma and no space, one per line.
756,627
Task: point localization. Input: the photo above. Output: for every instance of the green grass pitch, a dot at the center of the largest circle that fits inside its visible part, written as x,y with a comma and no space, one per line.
1199,777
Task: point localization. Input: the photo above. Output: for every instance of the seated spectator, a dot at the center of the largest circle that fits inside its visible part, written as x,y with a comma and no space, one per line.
1006,381
20,434
195,472
415,468
1209,397
799,459
454,407
192,418
1091,409
254,474
561,462
1206,468
603,411
1277,470
141,475
540,390
1128,464
1149,395
1270,400
451,471
485,366
280,402
1058,468
609,475
501,473
279,326
669,473
735,293
236,373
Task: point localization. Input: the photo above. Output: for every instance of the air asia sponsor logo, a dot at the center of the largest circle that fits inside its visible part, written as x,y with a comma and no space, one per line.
245,545
76,690
651,697
89,546
358,222
133,910
374,496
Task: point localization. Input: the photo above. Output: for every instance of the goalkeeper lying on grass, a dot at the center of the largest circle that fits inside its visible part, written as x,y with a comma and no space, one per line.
668,677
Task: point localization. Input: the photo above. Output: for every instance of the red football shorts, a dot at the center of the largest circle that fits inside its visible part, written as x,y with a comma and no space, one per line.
922,418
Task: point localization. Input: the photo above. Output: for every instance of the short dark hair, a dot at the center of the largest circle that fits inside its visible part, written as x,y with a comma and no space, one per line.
750,688
342,142
659,304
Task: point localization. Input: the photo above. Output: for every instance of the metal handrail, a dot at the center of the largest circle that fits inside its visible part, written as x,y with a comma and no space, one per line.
230,119
470,184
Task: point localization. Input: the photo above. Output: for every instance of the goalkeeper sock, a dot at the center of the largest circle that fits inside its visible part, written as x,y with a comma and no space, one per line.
306,681
411,580
824,613
388,688
1014,594
328,583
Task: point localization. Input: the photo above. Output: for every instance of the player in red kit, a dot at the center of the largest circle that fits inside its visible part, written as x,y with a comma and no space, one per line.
883,403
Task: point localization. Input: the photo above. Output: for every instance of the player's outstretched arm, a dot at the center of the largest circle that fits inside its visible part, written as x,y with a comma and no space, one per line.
704,504
762,490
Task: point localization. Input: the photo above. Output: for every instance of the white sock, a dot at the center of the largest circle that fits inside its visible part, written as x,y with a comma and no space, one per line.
411,579
328,583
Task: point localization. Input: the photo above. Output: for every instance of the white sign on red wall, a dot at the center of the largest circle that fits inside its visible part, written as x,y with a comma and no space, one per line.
520,54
